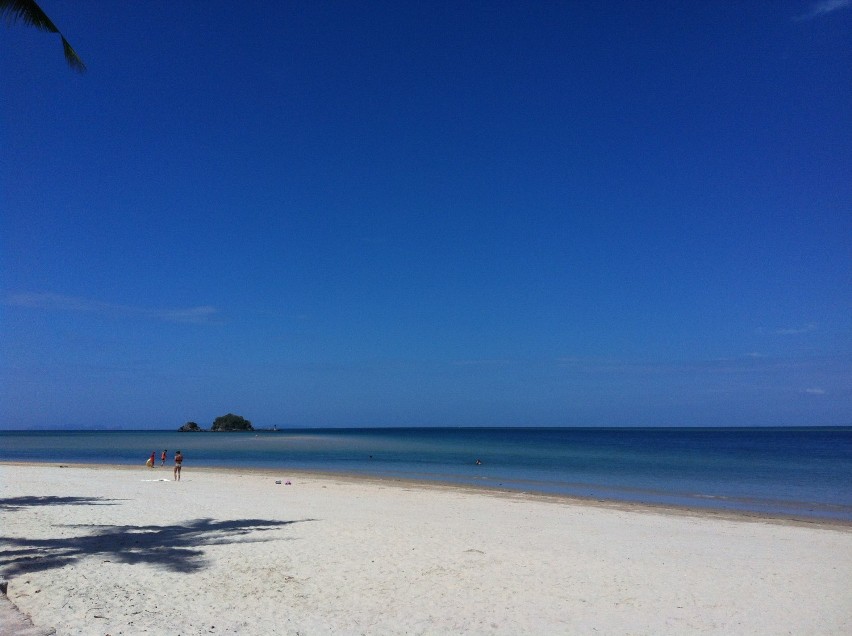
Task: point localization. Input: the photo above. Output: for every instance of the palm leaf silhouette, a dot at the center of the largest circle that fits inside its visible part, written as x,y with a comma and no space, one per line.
32,15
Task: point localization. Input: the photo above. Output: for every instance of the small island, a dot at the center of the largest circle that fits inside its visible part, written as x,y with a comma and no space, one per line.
229,422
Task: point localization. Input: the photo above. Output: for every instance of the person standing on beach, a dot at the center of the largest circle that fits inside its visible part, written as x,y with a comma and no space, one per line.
163,457
150,462
178,462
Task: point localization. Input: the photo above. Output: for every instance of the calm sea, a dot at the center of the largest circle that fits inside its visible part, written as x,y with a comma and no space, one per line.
803,472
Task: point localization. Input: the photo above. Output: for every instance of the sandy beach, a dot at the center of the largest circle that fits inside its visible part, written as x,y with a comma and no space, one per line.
118,550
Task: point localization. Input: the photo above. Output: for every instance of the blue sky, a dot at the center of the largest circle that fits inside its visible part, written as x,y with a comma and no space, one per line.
426,214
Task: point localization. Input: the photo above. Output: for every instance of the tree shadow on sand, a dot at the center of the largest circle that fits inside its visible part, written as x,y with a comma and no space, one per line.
174,547
18,503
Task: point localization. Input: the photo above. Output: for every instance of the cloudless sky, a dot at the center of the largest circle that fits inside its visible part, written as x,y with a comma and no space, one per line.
428,214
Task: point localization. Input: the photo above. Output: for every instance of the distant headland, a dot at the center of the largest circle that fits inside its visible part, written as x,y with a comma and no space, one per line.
229,422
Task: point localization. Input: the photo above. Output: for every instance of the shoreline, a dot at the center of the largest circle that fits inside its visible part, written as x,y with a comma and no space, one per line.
496,491
124,549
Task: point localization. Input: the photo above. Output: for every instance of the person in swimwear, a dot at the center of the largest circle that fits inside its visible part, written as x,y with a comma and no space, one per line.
163,457
178,462
150,462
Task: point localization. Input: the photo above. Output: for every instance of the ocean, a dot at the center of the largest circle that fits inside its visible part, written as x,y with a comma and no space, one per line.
800,472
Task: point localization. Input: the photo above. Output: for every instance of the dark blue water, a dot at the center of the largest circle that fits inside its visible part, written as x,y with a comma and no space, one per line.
802,472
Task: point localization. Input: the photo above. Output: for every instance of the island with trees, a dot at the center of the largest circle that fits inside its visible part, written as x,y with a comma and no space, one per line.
229,422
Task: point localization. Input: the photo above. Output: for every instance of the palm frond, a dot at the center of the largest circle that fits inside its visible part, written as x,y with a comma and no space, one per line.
71,56
27,12
32,15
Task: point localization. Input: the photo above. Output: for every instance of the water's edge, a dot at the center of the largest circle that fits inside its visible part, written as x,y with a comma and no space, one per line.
791,472
353,478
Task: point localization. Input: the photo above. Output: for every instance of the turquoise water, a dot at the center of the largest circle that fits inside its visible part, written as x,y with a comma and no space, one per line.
803,472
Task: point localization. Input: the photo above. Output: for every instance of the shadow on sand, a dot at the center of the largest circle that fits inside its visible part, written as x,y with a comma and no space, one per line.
17,503
175,547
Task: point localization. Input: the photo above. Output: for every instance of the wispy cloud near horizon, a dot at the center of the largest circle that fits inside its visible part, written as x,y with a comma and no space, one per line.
481,363
824,7
57,302
794,331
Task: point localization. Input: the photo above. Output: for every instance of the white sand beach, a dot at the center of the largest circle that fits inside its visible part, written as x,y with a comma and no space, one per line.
112,550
